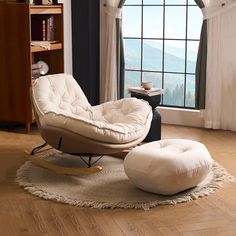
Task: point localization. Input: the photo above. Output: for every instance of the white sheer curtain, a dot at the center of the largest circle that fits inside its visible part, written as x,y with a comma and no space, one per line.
108,50
220,110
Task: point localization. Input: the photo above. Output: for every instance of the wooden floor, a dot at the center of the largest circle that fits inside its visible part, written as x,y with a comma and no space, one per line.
24,214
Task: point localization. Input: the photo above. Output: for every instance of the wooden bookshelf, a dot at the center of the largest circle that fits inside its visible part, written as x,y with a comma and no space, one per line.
17,56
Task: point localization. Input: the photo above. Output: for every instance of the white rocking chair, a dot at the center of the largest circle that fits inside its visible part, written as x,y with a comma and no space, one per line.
68,123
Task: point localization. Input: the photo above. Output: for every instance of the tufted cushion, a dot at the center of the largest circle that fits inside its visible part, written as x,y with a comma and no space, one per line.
168,166
61,103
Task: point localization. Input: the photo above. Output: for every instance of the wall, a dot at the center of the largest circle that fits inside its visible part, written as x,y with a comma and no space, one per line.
193,118
67,36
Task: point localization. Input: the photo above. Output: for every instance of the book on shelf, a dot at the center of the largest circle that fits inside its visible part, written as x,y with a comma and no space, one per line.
142,91
42,28
50,28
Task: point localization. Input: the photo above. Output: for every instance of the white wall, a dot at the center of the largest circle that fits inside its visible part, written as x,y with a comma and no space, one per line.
67,36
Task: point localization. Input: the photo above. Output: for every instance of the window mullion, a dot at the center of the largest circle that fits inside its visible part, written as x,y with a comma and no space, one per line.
141,42
163,45
186,48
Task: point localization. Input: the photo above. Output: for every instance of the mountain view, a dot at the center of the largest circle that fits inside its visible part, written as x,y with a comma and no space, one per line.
152,61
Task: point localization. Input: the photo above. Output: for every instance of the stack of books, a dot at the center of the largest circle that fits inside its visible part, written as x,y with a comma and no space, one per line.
142,91
35,71
42,28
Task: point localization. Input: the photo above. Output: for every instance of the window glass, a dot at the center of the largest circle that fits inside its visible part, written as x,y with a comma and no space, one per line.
173,89
133,2
174,58
150,2
176,2
152,28
192,50
152,55
132,51
191,2
175,22
194,26
190,91
155,77
132,21
132,79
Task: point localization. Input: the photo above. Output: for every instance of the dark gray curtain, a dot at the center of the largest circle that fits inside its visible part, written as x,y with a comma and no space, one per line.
201,64
120,56
85,44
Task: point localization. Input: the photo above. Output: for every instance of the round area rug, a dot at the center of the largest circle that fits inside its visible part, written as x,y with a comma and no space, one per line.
109,188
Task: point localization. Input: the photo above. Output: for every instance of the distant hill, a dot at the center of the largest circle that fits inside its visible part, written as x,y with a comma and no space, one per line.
152,59
173,50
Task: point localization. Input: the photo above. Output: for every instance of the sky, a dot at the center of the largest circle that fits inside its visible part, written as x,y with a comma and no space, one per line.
175,20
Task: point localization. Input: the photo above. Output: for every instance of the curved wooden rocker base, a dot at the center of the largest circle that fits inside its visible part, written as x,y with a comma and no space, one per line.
60,169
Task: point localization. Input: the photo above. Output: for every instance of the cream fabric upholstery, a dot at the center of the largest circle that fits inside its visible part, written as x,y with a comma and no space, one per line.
61,104
168,166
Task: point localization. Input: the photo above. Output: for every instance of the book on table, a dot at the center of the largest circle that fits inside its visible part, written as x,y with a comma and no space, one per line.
148,92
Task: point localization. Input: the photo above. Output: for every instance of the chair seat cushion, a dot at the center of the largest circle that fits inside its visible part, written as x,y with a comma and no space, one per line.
117,122
67,108
168,166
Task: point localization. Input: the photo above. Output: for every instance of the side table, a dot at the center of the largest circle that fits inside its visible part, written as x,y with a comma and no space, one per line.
155,129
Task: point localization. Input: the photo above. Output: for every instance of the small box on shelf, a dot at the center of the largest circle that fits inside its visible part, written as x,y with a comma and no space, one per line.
35,71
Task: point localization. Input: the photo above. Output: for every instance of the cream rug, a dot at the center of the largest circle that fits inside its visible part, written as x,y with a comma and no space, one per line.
109,188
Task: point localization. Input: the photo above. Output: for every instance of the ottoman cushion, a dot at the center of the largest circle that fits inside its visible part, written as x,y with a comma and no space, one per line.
168,166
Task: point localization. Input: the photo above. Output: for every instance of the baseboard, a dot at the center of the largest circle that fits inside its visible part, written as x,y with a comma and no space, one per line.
176,116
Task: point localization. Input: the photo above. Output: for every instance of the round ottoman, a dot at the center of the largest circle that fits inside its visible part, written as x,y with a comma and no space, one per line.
168,166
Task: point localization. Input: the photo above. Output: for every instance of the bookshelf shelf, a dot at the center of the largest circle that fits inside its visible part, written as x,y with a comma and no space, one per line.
20,30
54,46
50,9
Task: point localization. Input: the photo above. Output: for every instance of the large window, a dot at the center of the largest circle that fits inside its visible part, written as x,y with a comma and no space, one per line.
161,42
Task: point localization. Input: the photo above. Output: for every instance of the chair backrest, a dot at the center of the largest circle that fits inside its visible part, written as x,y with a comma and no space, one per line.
56,93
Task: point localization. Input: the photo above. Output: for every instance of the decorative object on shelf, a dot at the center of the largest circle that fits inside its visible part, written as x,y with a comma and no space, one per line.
43,2
43,44
147,85
44,68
